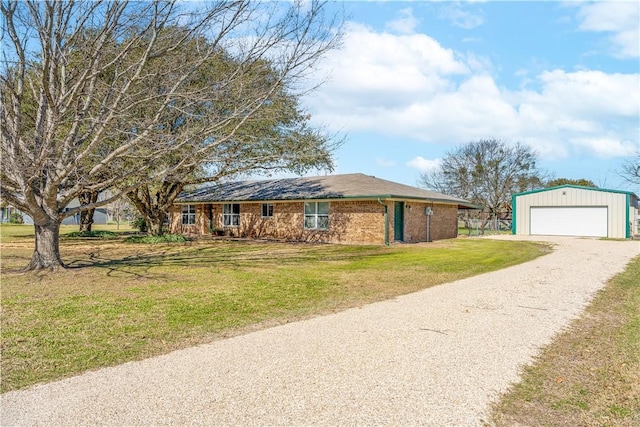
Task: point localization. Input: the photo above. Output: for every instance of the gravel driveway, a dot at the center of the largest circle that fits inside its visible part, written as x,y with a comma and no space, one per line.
435,357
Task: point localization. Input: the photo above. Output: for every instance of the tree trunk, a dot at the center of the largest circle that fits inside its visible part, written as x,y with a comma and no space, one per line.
154,205
155,223
46,255
483,225
86,217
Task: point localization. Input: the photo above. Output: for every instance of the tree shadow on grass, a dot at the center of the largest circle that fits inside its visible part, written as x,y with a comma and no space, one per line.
221,256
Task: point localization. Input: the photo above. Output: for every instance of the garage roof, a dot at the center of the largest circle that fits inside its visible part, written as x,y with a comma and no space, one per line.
576,186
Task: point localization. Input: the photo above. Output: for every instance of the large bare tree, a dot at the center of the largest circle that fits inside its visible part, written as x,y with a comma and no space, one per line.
82,109
486,172
631,169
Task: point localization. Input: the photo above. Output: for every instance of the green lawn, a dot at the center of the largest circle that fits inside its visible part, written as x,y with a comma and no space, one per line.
123,301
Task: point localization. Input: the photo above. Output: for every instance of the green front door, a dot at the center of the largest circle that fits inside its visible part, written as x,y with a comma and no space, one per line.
398,222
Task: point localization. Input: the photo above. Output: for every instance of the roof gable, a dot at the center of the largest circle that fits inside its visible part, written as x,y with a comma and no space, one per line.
579,187
330,187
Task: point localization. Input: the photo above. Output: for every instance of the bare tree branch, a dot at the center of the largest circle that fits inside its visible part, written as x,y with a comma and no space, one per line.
630,170
487,172
93,92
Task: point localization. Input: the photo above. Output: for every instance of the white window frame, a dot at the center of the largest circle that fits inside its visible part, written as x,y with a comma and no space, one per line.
231,218
316,215
188,213
267,210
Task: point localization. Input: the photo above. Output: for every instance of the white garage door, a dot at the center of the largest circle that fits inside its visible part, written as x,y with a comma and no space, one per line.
569,221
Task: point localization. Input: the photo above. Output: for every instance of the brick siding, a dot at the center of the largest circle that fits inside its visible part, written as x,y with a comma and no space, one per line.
443,223
352,222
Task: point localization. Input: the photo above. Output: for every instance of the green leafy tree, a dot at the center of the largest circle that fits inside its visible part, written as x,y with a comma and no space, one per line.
277,137
72,126
564,181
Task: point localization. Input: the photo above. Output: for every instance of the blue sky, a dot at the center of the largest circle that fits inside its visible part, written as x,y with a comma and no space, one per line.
415,79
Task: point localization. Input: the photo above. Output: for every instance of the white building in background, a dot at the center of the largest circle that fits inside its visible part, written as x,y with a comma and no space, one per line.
7,211
99,215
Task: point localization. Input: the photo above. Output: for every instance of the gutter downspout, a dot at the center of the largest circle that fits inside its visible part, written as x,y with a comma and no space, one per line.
386,222
513,215
429,212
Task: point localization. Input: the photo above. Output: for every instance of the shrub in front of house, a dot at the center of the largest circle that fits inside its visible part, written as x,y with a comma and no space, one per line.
165,238
100,234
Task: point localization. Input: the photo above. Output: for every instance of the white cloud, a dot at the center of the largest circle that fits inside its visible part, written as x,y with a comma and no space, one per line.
405,23
621,19
606,146
424,165
409,86
460,18
380,73
589,93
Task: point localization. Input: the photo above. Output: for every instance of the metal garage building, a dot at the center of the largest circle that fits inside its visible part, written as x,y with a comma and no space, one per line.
571,210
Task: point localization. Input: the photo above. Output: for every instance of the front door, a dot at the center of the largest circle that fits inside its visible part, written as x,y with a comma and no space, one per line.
398,222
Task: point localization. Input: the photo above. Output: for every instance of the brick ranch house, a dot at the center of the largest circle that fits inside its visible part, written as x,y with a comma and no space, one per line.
350,209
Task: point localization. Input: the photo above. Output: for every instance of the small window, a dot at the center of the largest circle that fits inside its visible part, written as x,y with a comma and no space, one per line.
231,215
267,210
316,215
188,214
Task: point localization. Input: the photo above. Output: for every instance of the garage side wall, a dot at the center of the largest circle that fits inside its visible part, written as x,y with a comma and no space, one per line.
634,218
615,202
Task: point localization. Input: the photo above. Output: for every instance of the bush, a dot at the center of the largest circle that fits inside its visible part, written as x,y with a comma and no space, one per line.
140,223
16,218
165,238
101,234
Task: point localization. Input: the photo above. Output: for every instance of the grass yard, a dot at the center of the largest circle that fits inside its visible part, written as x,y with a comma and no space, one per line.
124,301
590,374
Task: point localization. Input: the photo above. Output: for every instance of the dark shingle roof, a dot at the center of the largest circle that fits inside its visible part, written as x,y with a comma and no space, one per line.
349,186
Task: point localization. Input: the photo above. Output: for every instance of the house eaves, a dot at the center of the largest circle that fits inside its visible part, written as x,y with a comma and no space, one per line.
332,187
